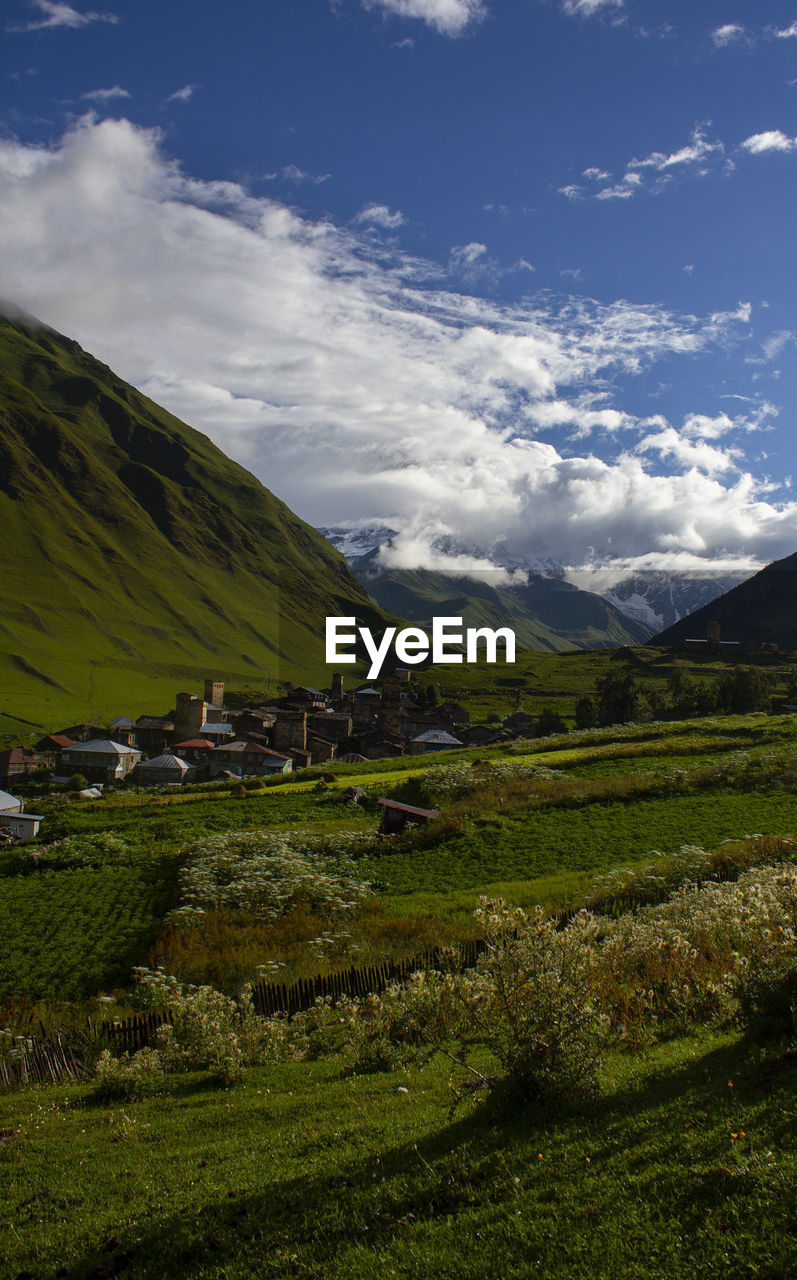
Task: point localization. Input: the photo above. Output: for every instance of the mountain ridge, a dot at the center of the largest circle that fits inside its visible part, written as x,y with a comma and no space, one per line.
136,554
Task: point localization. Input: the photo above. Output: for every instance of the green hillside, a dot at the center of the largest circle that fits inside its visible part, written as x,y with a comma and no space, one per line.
135,557
547,615
761,610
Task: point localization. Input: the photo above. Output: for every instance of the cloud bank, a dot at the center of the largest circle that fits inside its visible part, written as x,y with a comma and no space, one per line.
359,385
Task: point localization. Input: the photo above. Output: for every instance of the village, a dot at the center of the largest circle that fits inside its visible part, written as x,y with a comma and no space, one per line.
200,740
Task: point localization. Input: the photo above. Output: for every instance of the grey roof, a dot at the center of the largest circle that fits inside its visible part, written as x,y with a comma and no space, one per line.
165,761
438,735
7,801
216,726
122,722
103,746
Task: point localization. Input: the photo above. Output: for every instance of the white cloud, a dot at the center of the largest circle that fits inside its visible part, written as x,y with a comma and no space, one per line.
182,95
105,95
356,385
587,8
467,256
699,455
292,173
449,17
381,216
787,33
573,191
728,33
689,269
769,140
653,172
57,14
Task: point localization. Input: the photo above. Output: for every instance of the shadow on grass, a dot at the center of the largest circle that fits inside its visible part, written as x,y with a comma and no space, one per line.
371,1203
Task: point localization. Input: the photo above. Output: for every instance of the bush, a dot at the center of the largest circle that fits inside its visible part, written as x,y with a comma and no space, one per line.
136,1076
205,1027
530,1001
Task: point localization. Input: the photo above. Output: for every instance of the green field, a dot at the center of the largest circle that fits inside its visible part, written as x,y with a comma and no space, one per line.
684,1163
338,1153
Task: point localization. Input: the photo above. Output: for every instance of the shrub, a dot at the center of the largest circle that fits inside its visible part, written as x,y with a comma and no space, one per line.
531,1002
129,1076
205,1027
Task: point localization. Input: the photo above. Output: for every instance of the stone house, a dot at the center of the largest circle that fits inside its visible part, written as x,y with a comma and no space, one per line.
100,760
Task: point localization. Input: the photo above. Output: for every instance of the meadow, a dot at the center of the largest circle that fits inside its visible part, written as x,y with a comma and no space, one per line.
627,1039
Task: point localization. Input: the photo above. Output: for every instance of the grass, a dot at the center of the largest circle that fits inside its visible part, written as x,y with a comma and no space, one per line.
591,839
69,934
686,1162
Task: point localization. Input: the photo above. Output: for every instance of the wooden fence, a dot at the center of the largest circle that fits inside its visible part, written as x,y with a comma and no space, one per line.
41,1061
269,998
52,1058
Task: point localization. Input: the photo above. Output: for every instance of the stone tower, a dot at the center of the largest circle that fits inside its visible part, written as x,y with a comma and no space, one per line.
189,716
290,731
214,692
389,718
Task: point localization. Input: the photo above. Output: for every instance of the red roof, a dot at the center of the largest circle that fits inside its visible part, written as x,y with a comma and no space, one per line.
16,755
195,744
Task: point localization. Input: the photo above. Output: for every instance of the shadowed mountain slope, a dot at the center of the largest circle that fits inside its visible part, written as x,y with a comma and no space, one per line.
135,557
761,610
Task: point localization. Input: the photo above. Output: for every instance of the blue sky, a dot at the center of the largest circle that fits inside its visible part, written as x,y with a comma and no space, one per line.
513,276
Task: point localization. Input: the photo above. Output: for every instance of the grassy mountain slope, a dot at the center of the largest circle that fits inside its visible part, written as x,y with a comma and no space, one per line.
762,609
135,557
547,615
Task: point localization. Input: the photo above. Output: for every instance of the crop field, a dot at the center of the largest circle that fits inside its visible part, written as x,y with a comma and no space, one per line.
540,819
72,933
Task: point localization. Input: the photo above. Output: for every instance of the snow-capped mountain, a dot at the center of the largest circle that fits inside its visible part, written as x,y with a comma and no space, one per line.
660,599
358,540
655,598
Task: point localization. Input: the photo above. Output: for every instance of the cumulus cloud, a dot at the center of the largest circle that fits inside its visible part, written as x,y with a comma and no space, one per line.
57,14
449,17
358,386
769,140
105,95
379,215
728,33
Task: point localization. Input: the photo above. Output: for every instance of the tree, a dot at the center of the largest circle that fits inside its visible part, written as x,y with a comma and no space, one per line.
618,696
548,722
744,689
586,715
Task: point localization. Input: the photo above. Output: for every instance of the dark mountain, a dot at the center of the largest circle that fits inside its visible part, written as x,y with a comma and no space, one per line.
761,610
547,614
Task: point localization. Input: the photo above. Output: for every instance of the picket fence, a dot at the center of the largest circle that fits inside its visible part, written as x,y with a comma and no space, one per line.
52,1058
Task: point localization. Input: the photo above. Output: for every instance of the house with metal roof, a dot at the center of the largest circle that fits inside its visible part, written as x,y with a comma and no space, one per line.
100,760
15,824
248,760
161,770
433,740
